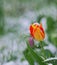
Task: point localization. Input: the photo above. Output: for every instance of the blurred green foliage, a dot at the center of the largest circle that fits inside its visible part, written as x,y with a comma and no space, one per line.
52,30
2,23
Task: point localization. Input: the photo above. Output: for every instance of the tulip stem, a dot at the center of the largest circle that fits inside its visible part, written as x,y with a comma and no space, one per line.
42,49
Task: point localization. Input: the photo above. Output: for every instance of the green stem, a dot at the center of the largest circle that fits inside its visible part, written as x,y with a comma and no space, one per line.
42,49
36,56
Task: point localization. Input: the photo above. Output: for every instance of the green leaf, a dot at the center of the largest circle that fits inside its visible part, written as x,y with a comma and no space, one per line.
28,57
39,18
37,58
48,54
50,25
54,38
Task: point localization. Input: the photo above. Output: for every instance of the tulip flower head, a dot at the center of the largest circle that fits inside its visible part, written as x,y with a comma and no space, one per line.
37,31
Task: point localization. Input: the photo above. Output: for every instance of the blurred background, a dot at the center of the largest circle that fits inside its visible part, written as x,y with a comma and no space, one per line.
15,19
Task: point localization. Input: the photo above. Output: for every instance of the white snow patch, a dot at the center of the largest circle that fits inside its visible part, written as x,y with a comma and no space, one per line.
43,21
50,64
10,63
51,47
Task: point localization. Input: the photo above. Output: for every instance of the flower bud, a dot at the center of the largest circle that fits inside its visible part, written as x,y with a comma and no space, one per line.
31,41
37,31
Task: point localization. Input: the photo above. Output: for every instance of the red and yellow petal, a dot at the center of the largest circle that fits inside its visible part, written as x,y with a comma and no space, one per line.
31,31
37,31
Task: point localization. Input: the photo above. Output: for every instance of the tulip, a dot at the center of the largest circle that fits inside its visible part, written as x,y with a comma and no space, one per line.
37,31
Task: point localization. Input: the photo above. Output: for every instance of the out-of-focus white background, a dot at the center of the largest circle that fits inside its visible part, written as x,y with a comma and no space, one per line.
15,19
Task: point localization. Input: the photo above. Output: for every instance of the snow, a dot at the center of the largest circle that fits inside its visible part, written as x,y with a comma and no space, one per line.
50,64
10,63
11,42
51,47
18,63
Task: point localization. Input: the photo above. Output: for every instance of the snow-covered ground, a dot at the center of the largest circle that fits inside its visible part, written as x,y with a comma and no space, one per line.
10,43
